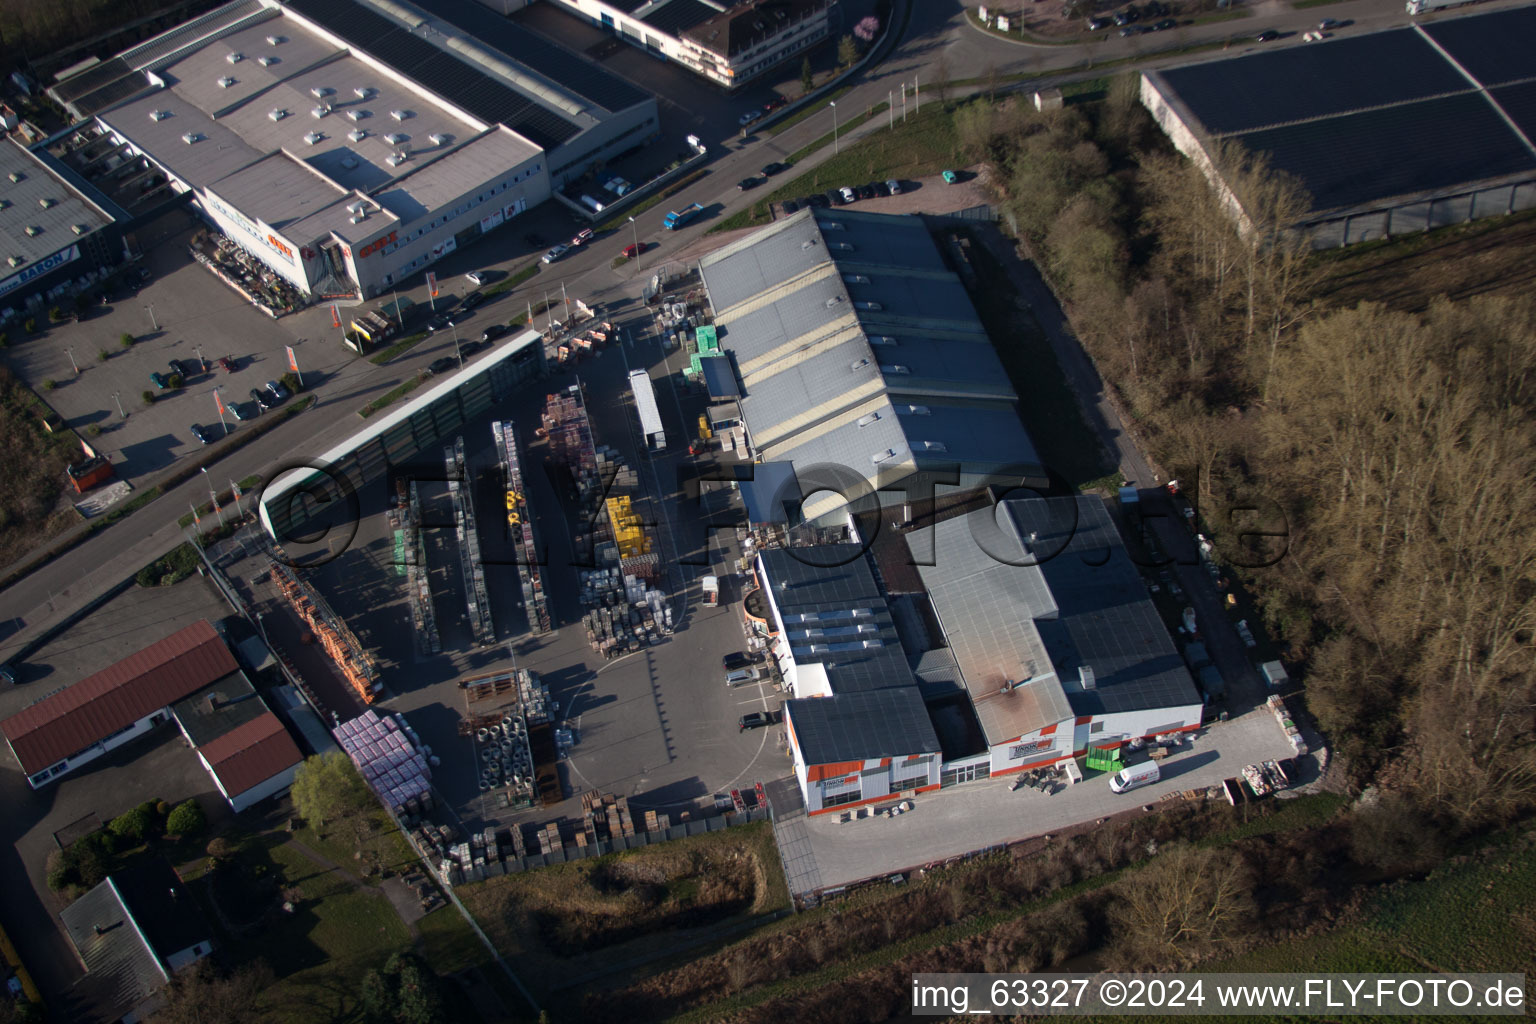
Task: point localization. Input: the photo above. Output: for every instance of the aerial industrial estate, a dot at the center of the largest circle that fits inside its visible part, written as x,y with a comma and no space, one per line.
547,578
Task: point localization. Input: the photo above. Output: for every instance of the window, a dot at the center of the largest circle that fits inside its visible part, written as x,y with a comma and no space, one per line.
1096,727
911,782
841,798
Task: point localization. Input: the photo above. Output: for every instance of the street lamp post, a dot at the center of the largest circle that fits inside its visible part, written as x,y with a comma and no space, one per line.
213,497
833,105
636,231
150,309
117,396
71,351
202,364
456,351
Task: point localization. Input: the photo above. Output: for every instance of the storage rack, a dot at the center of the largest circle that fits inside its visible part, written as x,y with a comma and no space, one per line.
476,596
520,525
354,663
411,560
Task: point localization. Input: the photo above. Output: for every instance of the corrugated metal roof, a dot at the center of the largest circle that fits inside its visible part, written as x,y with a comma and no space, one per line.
116,697
120,963
251,754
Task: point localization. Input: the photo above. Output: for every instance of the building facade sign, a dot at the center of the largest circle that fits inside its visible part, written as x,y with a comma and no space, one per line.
375,245
39,268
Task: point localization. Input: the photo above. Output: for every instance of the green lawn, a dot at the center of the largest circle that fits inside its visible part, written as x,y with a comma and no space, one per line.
385,842
449,944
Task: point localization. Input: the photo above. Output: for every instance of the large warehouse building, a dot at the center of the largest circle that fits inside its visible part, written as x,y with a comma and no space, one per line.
863,362
1391,132
350,144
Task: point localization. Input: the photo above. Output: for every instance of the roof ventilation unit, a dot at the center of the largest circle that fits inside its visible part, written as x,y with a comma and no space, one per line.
1086,677
320,92
807,244
349,163
266,62
865,421
234,58
914,410
33,230
5,204
395,159
438,138
834,300
932,446
313,137
399,115
276,40
16,261
16,176
832,225
859,364
856,279
277,113
78,229
395,138
355,219
357,134
840,246
875,306
362,92
885,456
226,82
159,115
356,115
320,111
896,368
47,203
881,339
192,137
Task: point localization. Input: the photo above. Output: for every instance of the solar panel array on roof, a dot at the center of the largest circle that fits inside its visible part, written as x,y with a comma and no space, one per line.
91,79
1495,47
627,6
1350,160
862,726
676,15
1287,85
1519,102
571,70
446,74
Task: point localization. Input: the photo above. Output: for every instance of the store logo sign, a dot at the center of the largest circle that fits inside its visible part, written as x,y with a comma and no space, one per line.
39,268
375,245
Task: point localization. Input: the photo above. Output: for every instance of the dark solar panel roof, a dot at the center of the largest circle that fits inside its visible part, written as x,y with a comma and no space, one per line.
112,93
676,15
826,576
1493,47
627,6
571,70
1312,81
862,726
1106,621
446,74
91,79
1436,144
720,377
1519,102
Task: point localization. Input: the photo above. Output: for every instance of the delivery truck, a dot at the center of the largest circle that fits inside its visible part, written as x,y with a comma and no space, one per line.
1134,777
683,217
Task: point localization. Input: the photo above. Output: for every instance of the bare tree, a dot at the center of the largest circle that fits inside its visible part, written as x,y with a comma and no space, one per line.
1181,907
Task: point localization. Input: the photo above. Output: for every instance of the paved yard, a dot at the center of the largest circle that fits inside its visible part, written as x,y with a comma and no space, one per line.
984,813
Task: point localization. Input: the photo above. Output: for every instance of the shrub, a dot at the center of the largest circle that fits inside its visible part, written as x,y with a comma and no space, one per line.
149,397
1394,836
220,848
103,354
162,808
136,824
125,340
60,871
56,314
186,819
175,381
94,430
49,384
30,325
5,340
290,381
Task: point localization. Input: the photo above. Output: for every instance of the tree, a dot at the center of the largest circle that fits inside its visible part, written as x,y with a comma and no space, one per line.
136,825
807,76
406,991
148,397
220,848
125,340
847,51
201,994
327,787
186,819
56,314
30,326
1180,907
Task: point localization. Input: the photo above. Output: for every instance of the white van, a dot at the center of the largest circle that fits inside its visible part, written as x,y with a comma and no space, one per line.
743,676
1135,776
592,204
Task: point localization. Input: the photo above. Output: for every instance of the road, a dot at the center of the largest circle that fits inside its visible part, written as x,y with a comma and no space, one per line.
934,32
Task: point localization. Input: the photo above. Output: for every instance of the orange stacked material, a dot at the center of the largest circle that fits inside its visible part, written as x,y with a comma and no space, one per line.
354,663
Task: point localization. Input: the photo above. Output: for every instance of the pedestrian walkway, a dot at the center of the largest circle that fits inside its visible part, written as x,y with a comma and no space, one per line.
789,832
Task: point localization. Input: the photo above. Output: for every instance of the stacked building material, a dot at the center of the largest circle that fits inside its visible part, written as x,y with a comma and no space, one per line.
605,817
388,757
476,596
1288,723
354,662
520,527
411,560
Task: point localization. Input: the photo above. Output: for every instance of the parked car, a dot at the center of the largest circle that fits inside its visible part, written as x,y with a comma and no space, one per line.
1165,25
459,315
469,348
160,381
441,322
1096,24
739,659
774,104
817,200
742,676
848,194
202,434
261,398
894,186
631,251
746,183
882,188
228,363
835,198
1268,35
1131,30
866,191
557,252
472,300
754,720
1328,24
277,391
581,238
475,277
750,117
950,177
443,365
244,410
790,206
770,169
493,332
185,368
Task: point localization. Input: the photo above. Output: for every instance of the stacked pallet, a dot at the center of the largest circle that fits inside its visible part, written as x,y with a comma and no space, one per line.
352,660
1288,723
520,528
605,817
549,838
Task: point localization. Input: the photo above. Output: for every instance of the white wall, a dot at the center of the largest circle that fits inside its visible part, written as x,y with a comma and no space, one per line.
1131,725
91,753
189,956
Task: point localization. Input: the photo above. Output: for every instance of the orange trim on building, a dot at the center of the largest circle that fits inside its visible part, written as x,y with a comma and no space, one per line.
822,772
1049,730
1032,765
1083,720
889,798
927,789
885,762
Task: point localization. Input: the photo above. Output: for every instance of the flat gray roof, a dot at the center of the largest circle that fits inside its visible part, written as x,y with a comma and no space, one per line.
23,201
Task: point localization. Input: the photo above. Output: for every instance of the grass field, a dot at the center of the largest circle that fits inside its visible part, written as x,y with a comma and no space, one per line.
33,464
593,915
